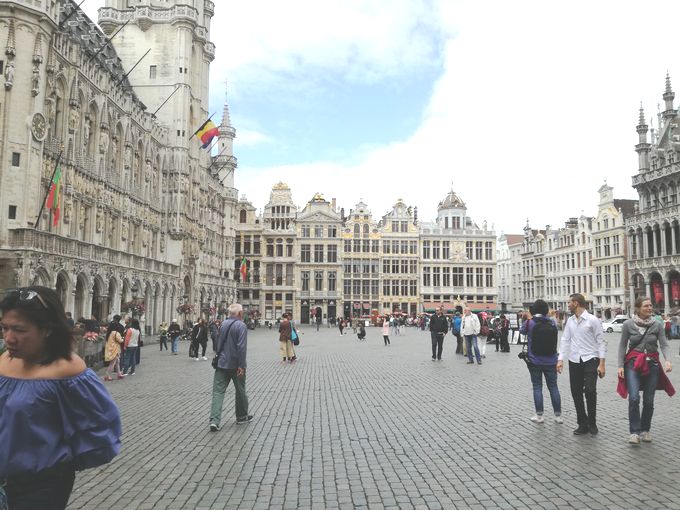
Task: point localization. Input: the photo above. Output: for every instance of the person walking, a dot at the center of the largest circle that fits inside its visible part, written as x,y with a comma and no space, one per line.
470,329
112,348
362,331
455,330
175,332
202,339
586,348
541,332
386,331
285,334
318,322
232,346
505,330
439,326
132,337
213,329
639,368
56,416
163,335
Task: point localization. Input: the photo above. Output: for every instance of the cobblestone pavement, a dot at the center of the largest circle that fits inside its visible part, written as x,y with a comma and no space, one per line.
359,425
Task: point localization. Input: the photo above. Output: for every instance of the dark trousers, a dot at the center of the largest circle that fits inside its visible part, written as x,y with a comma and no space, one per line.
437,344
386,339
163,342
49,489
583,381
459,343
505,346
204,346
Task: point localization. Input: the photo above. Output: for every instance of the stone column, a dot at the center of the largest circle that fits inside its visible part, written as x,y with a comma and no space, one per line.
673,250
662,233
631,296
655,237
666,308
644,248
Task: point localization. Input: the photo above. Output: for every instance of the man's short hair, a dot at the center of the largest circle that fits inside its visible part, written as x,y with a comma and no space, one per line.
235,309
579,299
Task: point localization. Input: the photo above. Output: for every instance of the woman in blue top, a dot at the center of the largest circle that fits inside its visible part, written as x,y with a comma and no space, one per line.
541,359
56,417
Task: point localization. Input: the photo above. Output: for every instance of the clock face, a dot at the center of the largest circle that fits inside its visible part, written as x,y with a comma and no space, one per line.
39,126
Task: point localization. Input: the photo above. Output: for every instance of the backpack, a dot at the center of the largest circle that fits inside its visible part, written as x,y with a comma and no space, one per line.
484,328
543,337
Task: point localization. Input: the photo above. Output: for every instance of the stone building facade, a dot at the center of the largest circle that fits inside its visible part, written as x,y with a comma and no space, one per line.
318,272
279,235
654,231
248,247
361,254
509,263
146,216
457,260
609,244
399,272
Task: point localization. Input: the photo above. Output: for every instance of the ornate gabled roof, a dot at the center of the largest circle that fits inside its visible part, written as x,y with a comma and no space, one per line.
452,201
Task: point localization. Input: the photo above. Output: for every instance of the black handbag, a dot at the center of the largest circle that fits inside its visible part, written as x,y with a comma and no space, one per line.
217,354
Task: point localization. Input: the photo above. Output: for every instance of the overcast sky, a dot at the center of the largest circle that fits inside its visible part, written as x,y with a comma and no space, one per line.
524,107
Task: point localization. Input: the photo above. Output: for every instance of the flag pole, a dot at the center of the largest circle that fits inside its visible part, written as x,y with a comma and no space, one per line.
211,116
42,207
215,160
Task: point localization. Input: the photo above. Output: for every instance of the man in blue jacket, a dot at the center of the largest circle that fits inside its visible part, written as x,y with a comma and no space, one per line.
232,343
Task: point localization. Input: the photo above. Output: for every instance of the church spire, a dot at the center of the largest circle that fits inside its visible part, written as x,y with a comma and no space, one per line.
226,161
668,97
642,148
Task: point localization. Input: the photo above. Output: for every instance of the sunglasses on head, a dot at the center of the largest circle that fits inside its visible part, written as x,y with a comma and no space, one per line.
28,295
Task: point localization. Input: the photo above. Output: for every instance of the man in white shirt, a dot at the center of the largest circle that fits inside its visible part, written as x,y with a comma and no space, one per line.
469,327
583,340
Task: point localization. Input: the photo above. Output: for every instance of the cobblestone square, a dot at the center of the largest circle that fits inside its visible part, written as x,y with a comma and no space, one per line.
360,425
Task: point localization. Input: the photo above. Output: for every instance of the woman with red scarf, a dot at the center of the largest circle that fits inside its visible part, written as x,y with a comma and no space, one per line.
640,367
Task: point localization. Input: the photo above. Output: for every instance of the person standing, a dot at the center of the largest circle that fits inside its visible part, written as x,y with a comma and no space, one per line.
584,343
318,322
362,331
56,416
640,369
470,329
285,345
439,326
213,329
505,329
483,333
202,339
455,329
386,331
163,335
541,332
232,345
341,325
112,349
132,338
175,332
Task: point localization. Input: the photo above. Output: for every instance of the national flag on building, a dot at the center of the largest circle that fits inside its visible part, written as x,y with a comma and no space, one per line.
54,196
206,133
244,269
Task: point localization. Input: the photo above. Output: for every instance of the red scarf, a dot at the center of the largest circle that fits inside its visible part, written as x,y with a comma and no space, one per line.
642,365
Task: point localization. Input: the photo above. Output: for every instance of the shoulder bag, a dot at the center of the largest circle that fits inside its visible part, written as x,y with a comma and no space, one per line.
217,354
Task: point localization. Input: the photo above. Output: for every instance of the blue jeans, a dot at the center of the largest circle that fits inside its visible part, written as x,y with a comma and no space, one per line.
636,382
537,373
175,343
129,360
471,341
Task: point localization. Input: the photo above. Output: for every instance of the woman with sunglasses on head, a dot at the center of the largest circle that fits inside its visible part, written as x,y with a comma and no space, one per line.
56,417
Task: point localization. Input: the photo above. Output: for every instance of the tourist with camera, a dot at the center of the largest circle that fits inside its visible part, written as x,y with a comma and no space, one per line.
541,358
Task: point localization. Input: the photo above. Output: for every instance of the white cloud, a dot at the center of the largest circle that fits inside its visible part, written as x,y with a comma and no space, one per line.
247,138
536,106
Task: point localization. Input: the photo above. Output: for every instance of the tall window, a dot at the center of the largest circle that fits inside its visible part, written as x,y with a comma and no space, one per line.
445,250
348,246
318,280
468,249
435,250
347,287
318,253
305,280
446,277
426,250
305,253
478,250
256,245
615,245
426,277
279,247
332,278
332,231
436,278
469,277
479,280
332,253
489,277
386,247
488,250
617,275
270,248
318,230
305,230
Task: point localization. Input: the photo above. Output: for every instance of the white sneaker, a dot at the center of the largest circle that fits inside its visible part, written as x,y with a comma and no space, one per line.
205,359
195,359
537,418
634,439
559,419
646,437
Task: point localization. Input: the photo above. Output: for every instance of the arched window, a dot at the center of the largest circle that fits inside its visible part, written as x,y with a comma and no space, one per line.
242,216
357,229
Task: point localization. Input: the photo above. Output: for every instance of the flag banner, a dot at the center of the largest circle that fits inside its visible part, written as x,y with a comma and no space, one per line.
54,196
206,133
244,269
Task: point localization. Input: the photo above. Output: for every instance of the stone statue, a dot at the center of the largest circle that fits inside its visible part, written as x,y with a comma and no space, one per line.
86,132
162,243
99,220
35,80
83,213
128,156
9,74
68,211
147,170
124,230
73,119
